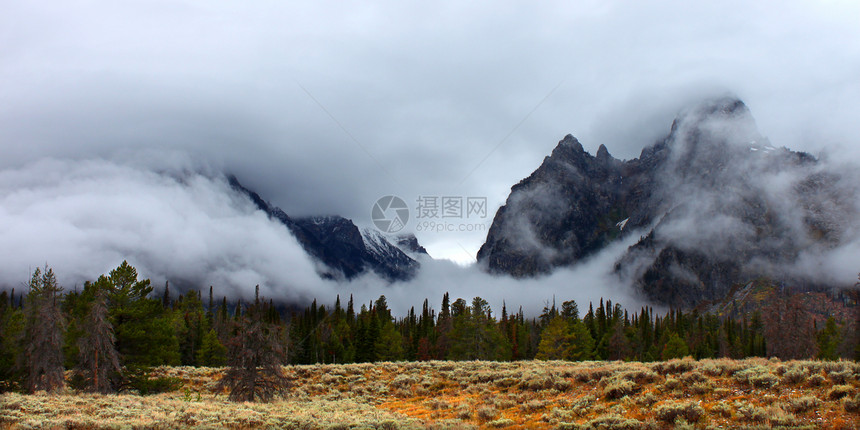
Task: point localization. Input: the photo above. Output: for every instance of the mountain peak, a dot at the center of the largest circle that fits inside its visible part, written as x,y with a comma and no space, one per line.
603,153
571,142
337,243
725,107
702,201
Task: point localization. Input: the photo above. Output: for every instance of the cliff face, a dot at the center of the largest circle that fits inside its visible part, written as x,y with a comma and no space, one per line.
714,203
344,251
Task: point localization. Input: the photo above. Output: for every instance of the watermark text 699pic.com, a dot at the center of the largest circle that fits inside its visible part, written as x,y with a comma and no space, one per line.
439,214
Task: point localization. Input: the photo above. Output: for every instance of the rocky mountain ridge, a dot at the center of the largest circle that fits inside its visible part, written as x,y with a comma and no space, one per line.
342,250
714,202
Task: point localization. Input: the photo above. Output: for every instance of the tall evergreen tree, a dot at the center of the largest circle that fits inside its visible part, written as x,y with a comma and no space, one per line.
144,330
43,353
212,352
556,341
11,332
99,360
675,347
475,335
254,356
582,344
829,339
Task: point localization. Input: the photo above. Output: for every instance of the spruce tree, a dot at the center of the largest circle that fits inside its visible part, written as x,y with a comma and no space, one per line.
212,352
829,339
144,330
43,353
98,358
556,341
675,347
254,355
11,331
582,344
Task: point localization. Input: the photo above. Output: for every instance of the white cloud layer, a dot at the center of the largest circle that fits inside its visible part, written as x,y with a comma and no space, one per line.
323,107
84,217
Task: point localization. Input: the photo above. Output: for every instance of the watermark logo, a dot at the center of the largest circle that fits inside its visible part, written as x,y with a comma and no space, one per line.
390,214
452,207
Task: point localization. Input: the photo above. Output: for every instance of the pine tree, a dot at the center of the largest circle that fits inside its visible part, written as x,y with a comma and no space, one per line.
165,298
569,310
11,331
212,352
43,353
789,329
829,339
254,355
474,335
191,325
675,347
389,346
582,344
444,326
144,330
619,344
556,341
99,360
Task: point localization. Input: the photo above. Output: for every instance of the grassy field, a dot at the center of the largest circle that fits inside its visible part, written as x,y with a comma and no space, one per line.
753,393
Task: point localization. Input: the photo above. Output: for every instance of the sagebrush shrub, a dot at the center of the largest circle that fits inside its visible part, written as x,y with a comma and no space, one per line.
671,411
803,404
839,391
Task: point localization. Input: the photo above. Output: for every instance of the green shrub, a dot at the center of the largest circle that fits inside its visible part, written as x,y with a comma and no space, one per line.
532,406
669,412
794,375
803,404
839,392
757,376
722,409
671,384
501,422
852,405
693,377
613,422
619,389
752,413
138,379
487,413
815,380
841,376
702,388
675,366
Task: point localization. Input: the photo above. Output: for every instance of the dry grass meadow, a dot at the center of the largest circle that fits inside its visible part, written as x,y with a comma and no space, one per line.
718,394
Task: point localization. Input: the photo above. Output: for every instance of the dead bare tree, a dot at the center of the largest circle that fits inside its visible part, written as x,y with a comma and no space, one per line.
99,360
789,329
254,356
43,353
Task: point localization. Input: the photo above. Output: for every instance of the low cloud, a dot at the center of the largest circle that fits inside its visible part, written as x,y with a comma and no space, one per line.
588,281
733,196
83,217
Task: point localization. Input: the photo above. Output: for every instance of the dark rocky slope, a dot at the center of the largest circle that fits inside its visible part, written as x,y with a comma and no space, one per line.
715,205
343,250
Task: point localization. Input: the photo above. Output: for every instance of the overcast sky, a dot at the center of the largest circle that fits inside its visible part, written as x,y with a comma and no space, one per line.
323,107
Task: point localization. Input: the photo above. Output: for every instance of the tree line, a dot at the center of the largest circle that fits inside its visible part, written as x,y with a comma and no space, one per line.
115,328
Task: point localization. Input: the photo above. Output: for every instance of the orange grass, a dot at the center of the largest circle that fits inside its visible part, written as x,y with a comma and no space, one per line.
531,394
